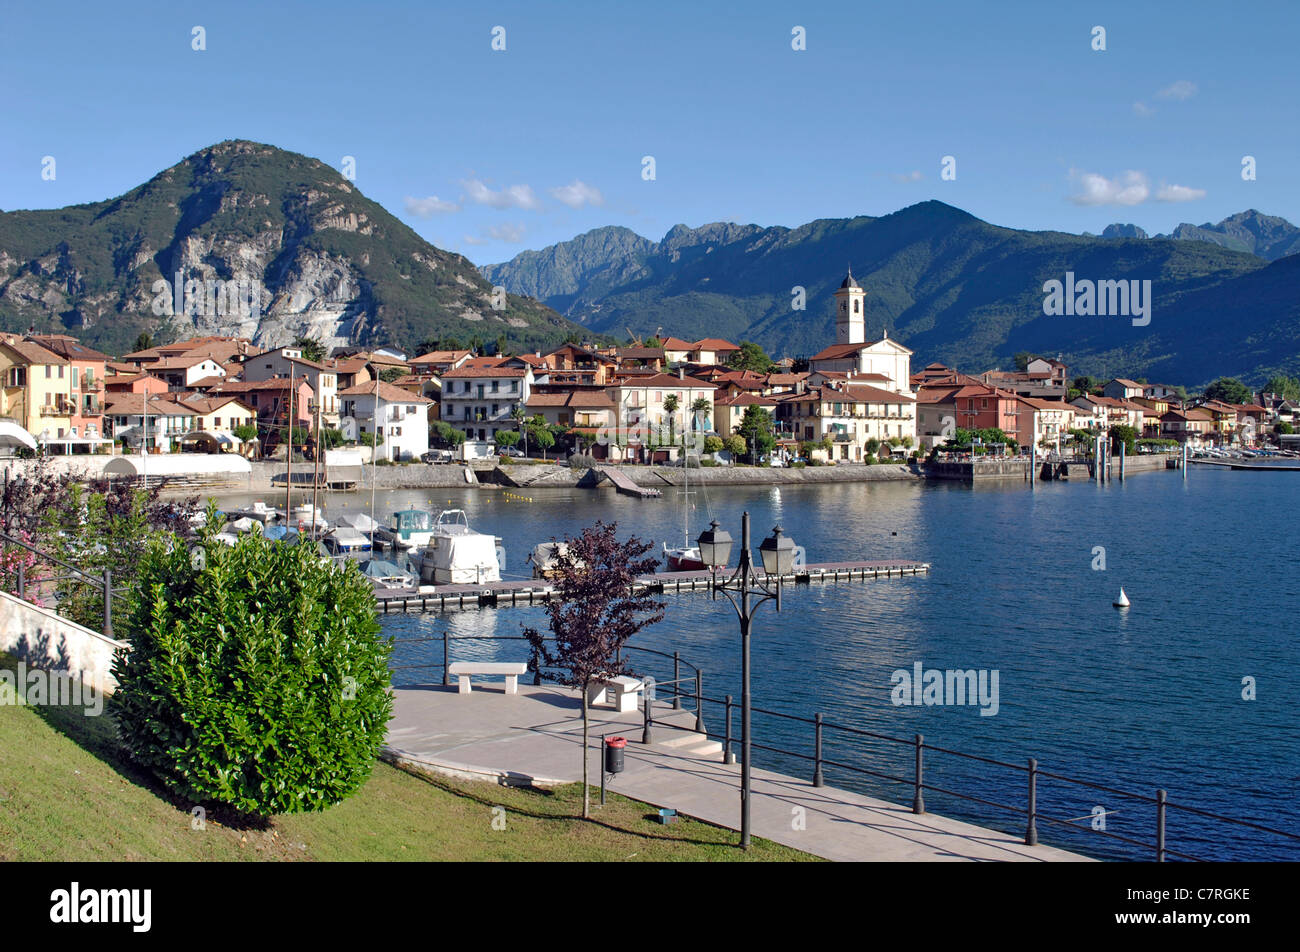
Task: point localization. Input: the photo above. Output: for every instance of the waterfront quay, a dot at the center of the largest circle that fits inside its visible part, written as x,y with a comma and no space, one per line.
531,591
534,738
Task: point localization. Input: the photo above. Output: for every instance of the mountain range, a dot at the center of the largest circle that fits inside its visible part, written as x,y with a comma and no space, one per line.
949,286
326,262
323,260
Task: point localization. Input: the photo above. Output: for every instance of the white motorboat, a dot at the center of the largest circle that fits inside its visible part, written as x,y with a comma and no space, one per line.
258,512
455,554
545,559
345,540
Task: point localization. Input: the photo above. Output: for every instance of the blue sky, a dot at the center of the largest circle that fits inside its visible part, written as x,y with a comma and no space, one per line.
490,152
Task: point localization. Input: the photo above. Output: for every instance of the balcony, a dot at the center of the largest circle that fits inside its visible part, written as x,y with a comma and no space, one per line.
92,408
58,409
89,384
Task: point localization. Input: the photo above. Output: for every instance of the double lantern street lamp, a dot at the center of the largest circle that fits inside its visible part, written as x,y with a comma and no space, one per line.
777,552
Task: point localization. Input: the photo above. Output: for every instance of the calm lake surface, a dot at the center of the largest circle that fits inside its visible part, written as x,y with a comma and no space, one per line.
1137,700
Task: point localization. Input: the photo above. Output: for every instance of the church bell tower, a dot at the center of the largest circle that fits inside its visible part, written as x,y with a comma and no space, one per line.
850,326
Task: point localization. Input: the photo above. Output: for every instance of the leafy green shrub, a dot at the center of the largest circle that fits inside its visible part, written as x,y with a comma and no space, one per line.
798,465
257,678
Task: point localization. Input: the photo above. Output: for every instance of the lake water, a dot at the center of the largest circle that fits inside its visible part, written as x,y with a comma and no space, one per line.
1139,699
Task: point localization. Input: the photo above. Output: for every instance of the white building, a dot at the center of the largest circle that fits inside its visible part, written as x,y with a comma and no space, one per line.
479,400
884,362
402,418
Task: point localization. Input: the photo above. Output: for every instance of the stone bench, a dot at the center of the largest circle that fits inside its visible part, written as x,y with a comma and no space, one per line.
510,669
622,693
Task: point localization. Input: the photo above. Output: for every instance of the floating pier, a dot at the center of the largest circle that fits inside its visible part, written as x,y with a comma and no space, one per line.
536,591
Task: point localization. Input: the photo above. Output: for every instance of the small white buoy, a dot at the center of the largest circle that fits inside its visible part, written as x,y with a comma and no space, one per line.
1122,601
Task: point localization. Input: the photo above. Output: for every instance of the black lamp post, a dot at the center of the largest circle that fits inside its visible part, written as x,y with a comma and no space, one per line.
777,553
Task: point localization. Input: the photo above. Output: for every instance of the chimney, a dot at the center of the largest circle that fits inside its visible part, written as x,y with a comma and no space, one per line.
681,373
798,387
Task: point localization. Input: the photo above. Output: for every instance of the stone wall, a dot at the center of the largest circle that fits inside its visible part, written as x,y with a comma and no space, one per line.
47,640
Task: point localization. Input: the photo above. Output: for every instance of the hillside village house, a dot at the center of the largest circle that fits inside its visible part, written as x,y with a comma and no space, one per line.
1101,413
271,399
181,373
215,420
577,408
133,383
400,416
1054,369
936,414
1121,389
161,422
1193,427
729,411
706,351
288,360
53,397
640,405
479,400
571,365
1045,423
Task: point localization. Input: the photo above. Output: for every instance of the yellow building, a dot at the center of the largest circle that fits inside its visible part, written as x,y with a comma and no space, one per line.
37,392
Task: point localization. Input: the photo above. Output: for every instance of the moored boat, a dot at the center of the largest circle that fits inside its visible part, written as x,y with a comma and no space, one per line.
455,554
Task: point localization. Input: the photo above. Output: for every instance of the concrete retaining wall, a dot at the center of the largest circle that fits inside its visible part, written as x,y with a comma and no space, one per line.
47,640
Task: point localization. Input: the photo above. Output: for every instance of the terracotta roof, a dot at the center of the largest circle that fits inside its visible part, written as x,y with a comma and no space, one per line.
676,343
865,393
184,362
785,380
745,400
33,352
1128,384
839,351
67,346
213,381
274,383
714,344
639,353
1047,404
595,399
468,372
668,381
206,405
387,392
440,357
160,406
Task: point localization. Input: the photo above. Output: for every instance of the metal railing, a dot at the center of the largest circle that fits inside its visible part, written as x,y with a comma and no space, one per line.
689,687
102,581
1030,773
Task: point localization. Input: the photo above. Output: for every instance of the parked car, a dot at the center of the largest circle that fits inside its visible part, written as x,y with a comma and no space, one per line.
438,456
511,452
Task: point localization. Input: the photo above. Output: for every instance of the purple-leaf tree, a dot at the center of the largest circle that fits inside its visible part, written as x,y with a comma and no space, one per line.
593,614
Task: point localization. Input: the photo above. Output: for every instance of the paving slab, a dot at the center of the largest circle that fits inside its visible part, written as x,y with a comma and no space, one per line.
535,736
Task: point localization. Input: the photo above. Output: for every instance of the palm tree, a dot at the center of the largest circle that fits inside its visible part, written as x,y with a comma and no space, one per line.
671,403
701,409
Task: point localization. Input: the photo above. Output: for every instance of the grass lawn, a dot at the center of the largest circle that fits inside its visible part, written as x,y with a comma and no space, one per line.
68,793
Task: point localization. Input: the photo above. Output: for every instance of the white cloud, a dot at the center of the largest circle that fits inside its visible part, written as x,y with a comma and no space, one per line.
512,196
428,207
1142,110
1128,188
1179,193
912,176
511,233
1183,89
578,193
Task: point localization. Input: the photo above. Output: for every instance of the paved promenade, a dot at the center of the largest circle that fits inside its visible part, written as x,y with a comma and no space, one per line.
535,737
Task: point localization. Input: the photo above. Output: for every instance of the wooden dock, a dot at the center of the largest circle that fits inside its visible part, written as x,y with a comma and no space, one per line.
536,591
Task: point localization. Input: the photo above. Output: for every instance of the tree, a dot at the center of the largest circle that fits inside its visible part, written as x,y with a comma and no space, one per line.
1123,433
1085,384
750,357
1283,429
389,374
736,446
1022,360
1228,390
501,346
671,403
311,348
1286,387
713,444
700,411
506,438
257,677
756,428
246,432
143,341
593,616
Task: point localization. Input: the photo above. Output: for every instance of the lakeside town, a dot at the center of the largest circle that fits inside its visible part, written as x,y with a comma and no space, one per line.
648,401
